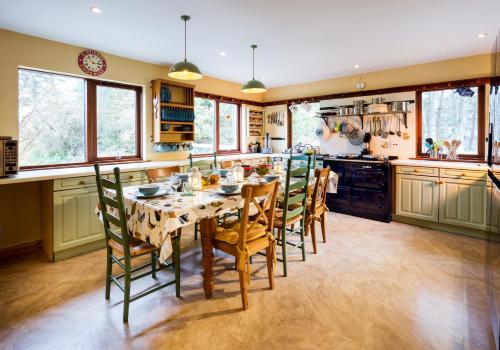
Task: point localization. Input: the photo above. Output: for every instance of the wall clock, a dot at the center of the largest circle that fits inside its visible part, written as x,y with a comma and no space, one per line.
92,62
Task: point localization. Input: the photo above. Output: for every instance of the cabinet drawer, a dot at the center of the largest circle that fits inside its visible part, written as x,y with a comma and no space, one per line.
463,174
417,170
133,176
74,182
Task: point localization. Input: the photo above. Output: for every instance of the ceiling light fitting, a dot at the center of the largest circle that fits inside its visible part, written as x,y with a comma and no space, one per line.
253,86
185,70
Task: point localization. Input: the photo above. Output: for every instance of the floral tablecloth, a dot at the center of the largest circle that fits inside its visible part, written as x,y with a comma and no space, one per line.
153,220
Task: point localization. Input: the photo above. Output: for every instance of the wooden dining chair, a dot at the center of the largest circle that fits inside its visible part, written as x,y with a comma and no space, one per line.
155,175
203,164
247,237
316,206
290,218
122,247
226,164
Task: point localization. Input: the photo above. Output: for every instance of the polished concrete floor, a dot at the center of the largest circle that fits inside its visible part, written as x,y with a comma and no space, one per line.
371,286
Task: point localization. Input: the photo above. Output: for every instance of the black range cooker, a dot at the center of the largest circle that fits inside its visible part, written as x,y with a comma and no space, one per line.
364,187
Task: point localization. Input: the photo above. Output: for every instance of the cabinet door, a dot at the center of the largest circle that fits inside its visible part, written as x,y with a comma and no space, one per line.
417,197
75,222
463,203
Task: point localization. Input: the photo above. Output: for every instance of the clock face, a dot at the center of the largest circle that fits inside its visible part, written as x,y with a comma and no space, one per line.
92,62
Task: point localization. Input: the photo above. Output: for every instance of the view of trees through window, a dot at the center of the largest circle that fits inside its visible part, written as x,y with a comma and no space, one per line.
304,125
53,112
51,118
447,116
204,126
116,121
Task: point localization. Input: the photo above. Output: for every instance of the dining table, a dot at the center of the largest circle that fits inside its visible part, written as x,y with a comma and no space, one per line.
157,220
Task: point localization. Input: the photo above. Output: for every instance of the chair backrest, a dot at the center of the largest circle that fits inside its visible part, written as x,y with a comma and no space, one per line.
320,186
115,227
203,164
294,202
302,158
226,164
263,198
158,174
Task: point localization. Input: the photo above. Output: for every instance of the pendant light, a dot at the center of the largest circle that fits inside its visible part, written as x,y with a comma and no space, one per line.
253,86
185,70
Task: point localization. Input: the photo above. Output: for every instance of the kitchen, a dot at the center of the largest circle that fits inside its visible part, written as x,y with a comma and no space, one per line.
413,214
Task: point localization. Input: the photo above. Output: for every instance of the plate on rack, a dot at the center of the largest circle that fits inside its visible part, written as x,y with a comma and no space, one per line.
160,193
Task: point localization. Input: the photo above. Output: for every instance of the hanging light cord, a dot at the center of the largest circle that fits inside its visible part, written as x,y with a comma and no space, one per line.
253,60
185,18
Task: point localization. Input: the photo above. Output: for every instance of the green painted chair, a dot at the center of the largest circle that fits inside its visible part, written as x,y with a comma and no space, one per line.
290,219
128,248
202,164
301,159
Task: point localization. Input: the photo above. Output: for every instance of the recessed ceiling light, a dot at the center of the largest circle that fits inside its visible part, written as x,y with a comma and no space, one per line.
481,35
96,10
223,53
356,66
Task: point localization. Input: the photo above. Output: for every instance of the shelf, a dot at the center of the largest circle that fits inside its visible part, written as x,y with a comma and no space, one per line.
325,116
177,132
177,123
176,105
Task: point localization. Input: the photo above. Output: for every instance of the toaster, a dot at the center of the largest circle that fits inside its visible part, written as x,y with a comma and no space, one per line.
8,156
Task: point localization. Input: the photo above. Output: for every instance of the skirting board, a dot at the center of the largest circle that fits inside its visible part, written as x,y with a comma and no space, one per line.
86,248
465,231
21,249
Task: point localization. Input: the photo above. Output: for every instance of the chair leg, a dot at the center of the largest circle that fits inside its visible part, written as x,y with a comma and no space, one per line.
323,229
307,224
270,267
126,293
283,249
177,257
243,290
153,264
313,236
109,270
302,239
195,231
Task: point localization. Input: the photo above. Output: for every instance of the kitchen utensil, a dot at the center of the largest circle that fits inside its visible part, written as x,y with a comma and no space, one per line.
293,108
326,132
406,135
378,100
149,189
356,137
379,132
391,119
399,127
358,110
319,133
377,108
400,106
373,126
358,103
384,133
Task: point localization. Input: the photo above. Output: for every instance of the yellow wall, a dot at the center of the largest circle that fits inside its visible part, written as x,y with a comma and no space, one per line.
29,51
455,69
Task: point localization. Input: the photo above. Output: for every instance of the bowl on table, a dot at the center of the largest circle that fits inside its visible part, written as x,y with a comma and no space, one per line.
263,169
247,170
229,187
149,189
271,177
222,172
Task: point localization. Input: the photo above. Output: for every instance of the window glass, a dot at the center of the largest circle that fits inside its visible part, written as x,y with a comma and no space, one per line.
228,126
51,119
448,116
304,126
116,121
204,128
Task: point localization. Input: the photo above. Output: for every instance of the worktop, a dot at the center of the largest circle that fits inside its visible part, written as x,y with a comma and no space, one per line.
441,164
59,173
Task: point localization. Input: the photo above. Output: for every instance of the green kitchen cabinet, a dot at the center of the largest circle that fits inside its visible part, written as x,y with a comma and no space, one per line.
417,197
463,202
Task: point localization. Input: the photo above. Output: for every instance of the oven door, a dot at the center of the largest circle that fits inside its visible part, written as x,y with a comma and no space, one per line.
372,201
368,176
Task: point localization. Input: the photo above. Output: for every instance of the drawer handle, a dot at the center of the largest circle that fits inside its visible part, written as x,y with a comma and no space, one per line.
81,182
131,177
415,171
438,182
463,174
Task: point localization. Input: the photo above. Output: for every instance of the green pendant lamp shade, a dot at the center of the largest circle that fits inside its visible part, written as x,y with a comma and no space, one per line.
185,70
253,86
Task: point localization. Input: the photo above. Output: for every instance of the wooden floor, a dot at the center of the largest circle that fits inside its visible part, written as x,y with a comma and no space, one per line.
371,286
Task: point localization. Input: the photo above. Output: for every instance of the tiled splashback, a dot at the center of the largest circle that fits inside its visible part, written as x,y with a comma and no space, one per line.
404,149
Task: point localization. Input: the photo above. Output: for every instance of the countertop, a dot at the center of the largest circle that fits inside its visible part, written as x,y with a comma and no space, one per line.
441,164
60,173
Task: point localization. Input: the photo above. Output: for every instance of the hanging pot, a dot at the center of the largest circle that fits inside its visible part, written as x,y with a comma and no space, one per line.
400,106
378,100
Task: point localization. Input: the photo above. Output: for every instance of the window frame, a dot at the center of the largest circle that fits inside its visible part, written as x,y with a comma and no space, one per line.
90,115
218,151
481,101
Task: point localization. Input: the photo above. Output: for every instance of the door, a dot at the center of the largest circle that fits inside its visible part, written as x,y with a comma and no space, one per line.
75,222
417,197
463,203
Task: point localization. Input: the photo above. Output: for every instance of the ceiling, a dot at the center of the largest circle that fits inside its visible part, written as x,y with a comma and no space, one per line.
299,41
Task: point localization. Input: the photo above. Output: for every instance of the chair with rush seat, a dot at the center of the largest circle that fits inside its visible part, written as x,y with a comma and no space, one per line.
293,212
155,175
122,247
316,206
248,236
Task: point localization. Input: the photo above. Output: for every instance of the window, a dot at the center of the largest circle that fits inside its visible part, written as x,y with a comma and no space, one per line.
217,126
445,115
303,126
69,120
